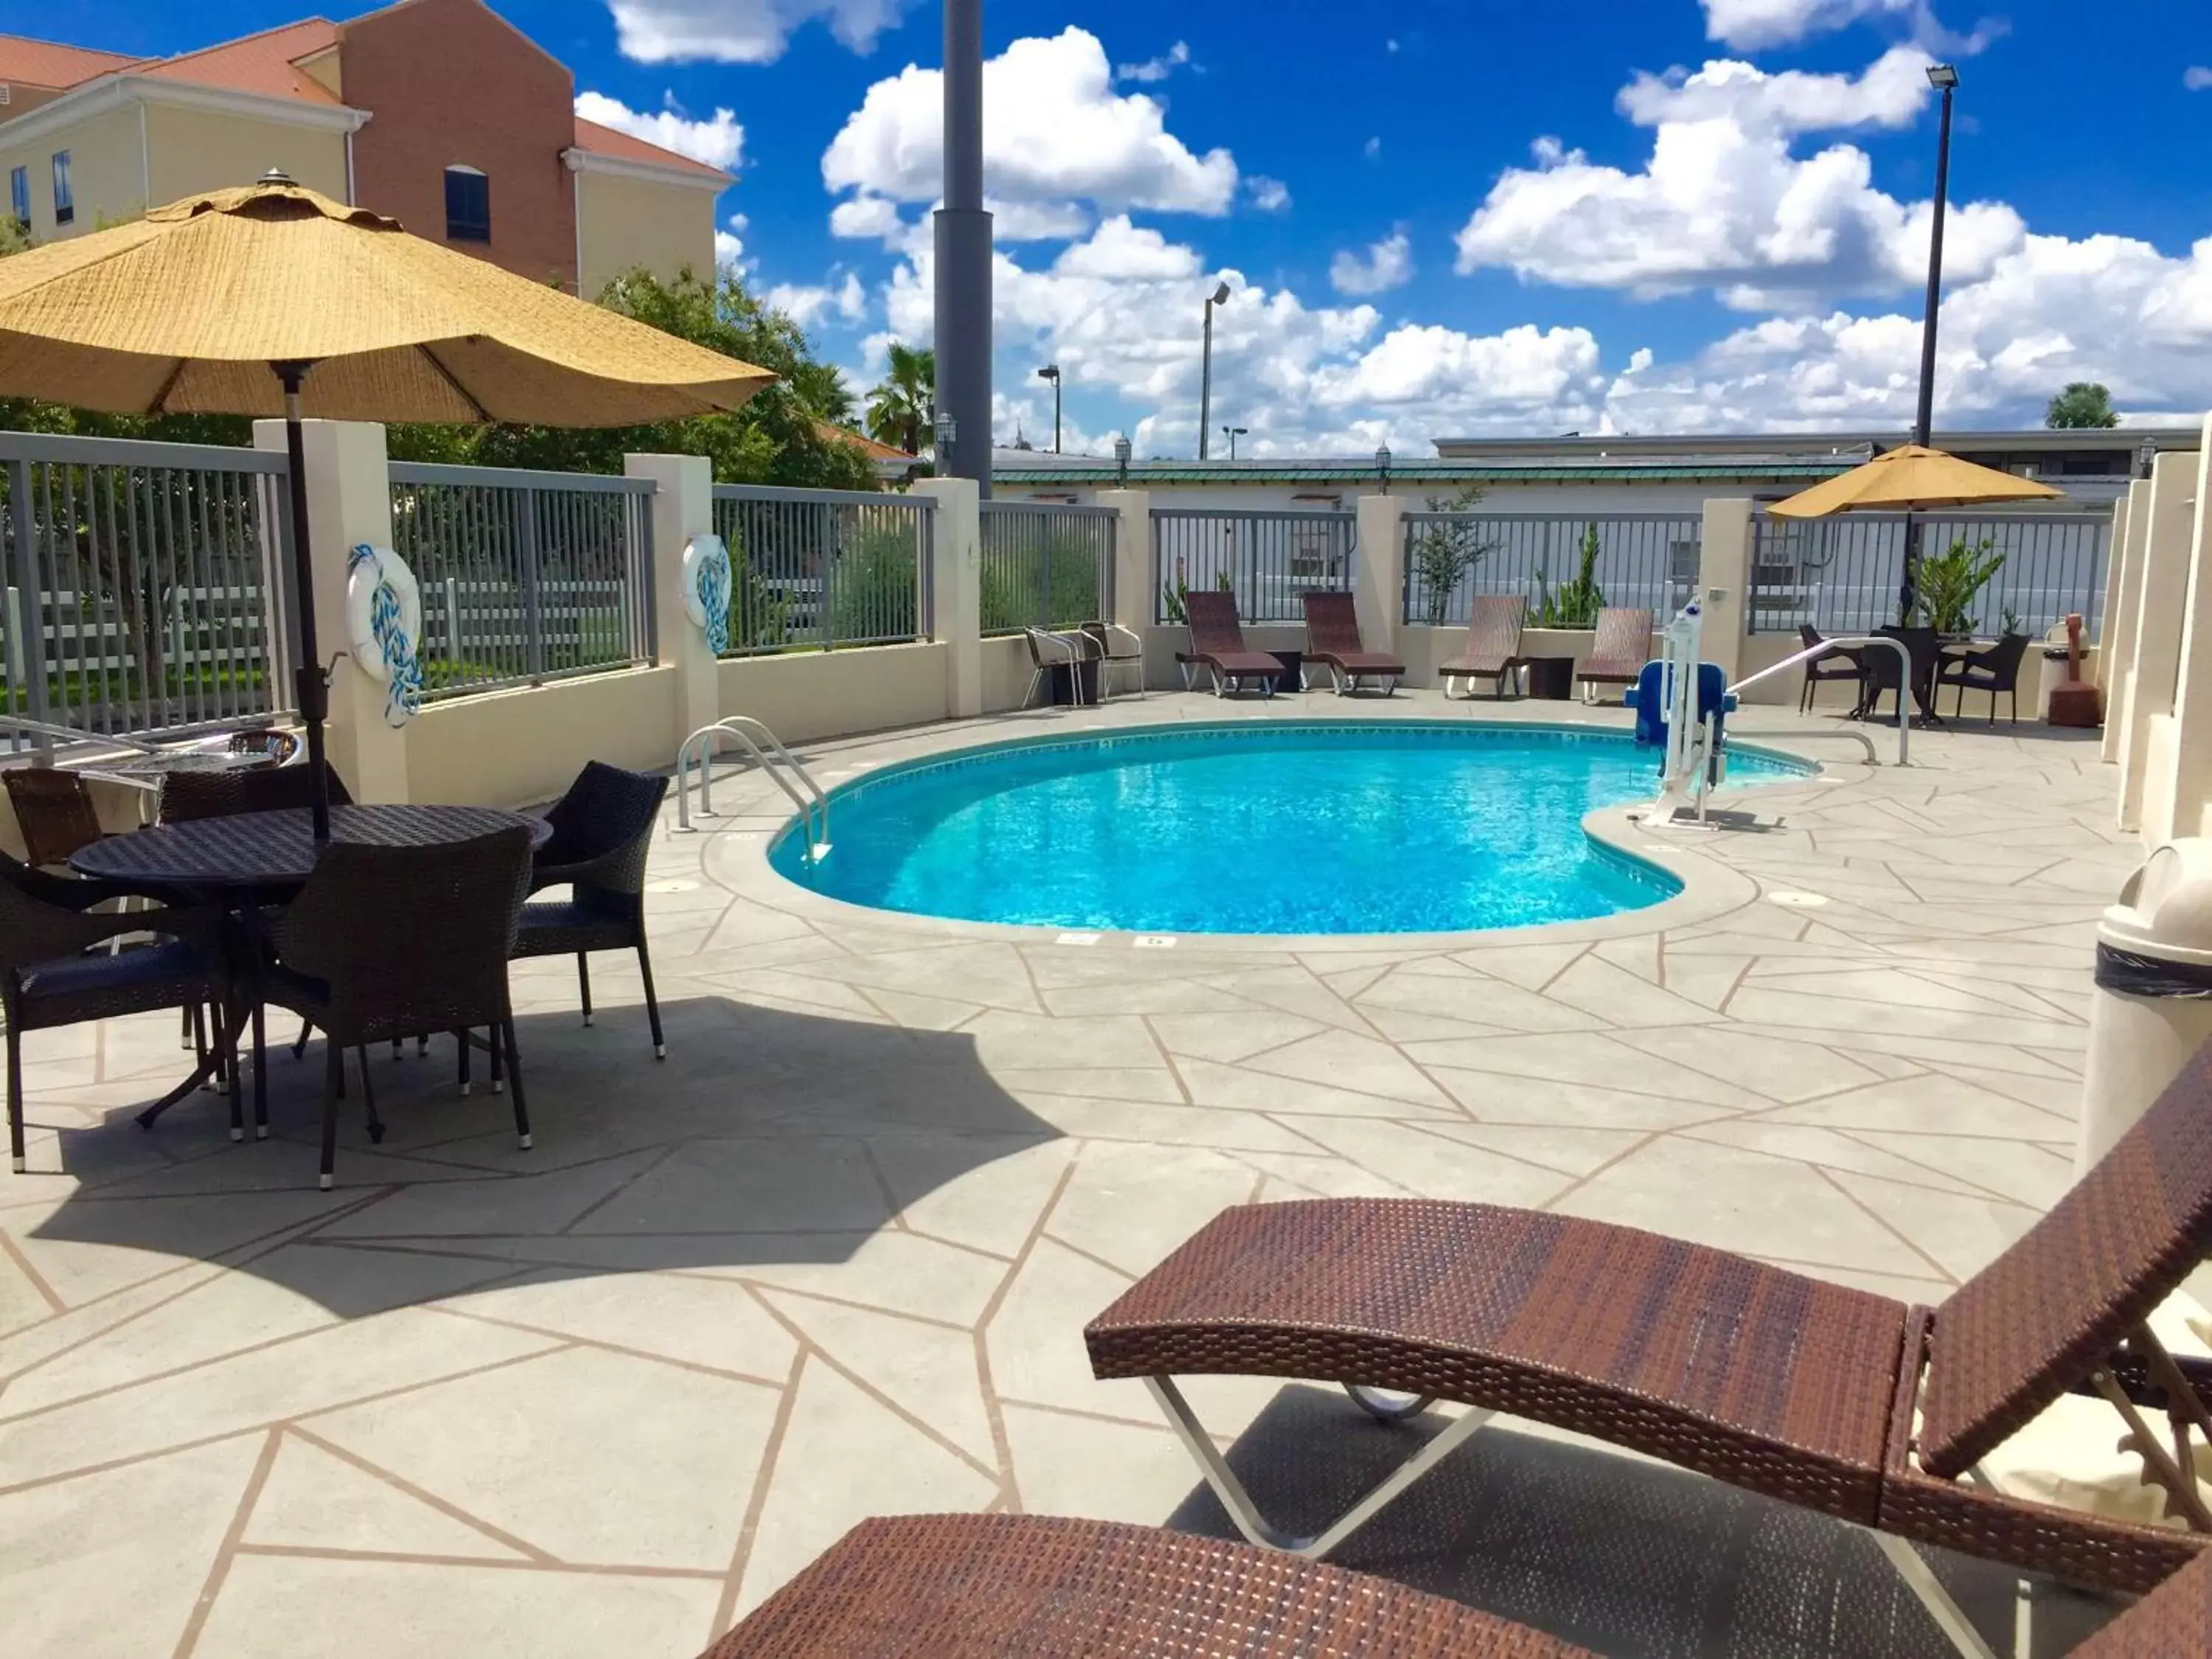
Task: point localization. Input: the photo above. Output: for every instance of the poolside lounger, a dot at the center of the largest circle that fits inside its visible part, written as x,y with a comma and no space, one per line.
1493,643
1217,644
1623,645
1038,1587
1332,641
1825,1397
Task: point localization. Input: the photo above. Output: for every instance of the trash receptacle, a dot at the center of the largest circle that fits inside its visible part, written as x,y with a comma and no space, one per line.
2153,1003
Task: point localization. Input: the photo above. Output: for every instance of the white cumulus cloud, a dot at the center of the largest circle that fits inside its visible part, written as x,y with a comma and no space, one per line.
719,141
1054,131
2196,77
1387,265
1155,69
1268,195
1123,252
1748,24
807,304
740,31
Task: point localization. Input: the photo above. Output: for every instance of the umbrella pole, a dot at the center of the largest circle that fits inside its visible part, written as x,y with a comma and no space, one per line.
307,673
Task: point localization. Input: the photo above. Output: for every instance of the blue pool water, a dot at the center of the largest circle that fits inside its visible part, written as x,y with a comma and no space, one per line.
1278,826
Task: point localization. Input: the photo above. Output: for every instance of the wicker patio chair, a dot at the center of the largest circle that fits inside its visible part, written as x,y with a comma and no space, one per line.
390,942
1847,664
1332,641
1829,1398
189,795
1995,671
1925,648
602,834
52,974
54,811
1217,645
1493,642
1042,1587
1619,652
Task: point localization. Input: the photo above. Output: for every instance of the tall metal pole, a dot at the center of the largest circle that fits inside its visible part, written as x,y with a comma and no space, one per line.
1206,382
963,256
1923,426
308,670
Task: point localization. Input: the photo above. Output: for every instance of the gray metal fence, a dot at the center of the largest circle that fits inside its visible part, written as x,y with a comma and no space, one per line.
1046,566
143,583
1843,574
1566,565
525,576
1267,560
813,569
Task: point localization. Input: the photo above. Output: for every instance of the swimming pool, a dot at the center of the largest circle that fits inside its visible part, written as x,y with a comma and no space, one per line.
1262,827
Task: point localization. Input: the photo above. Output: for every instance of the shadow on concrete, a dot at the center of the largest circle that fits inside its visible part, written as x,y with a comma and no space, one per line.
1631,1559
766,1137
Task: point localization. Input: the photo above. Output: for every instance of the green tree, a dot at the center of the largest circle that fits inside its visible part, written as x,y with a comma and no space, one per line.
1577,603
2084,403
1444,553
1948,584
898,408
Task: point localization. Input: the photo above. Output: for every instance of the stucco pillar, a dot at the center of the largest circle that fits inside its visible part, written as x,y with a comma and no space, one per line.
2122,590
349,493
1134,598
2190,740
1724,583
1378,571
2157,656
683,507
957,589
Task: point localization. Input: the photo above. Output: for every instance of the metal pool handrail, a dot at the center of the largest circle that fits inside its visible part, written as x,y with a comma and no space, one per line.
1853,641
698,750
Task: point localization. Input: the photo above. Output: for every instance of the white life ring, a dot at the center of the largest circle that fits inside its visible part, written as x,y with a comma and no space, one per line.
707,589
384,616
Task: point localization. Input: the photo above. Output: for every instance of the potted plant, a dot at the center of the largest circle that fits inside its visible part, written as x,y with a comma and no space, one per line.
1577,603
1950,581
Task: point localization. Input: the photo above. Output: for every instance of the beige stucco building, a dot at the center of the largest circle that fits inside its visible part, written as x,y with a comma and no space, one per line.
438,112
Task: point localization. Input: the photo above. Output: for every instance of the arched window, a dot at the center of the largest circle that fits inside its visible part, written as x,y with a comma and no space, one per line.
468,205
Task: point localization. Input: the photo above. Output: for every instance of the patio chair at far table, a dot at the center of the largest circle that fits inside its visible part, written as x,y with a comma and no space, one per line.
1619,652
1044,1587
1925,648
1332,641
1051,648
602,836
1850,665
389,942
54,813
1493,650
1116,646
1995,669
52,972
1217,645
1830,1399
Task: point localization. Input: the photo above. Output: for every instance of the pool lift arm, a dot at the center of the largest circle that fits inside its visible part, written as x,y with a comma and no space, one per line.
1682,704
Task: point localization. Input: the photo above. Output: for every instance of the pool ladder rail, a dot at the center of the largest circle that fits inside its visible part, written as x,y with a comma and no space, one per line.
767,751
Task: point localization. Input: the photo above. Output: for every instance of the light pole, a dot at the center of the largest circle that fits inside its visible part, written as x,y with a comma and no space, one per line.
963,229
1051,372
1945,79
1218,297
1233,433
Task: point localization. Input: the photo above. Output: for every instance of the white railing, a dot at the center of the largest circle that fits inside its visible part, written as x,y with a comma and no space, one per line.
1855,641
766,753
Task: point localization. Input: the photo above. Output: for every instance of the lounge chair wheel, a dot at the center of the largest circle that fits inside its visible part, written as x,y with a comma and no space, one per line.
1385,1407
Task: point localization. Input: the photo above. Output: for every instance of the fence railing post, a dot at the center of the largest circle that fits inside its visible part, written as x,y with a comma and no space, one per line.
533,589
1378,576
1724,582
27,580
956,540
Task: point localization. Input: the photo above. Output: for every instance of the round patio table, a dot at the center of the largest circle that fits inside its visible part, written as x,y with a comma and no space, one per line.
180,760
263,850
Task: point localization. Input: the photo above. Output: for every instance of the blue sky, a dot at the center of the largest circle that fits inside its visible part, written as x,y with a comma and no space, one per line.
1624,214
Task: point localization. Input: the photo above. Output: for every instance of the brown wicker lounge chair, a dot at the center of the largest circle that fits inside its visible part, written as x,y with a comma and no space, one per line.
1217,644
1832,1399
1617,656
1493,643
1038,1587
1332,641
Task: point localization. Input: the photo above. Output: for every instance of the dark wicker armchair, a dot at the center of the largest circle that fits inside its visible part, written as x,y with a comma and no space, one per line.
54,810
189,795
602,833
1836,663
390,942
1995,671
54,972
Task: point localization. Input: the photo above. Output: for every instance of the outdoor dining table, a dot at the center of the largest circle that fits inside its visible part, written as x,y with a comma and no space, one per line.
250,857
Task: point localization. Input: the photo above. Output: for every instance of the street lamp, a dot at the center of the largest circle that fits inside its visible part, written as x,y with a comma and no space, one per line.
1051,372
1945,79
1218,297
2147,454
946,430
1121,461
1233,433
1383,467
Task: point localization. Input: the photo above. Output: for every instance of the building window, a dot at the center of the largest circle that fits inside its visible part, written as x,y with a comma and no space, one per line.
19,196
468,205
64,200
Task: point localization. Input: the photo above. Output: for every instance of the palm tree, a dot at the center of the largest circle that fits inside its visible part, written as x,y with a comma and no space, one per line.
898,408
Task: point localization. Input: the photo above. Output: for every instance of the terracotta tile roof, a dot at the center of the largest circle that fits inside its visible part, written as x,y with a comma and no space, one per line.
46,63
260,62
830,432
620,146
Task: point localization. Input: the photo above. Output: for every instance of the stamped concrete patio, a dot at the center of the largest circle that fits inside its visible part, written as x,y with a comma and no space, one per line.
833,1256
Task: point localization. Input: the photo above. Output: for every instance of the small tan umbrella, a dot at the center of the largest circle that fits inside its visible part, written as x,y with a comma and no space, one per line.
1911,479
271,299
